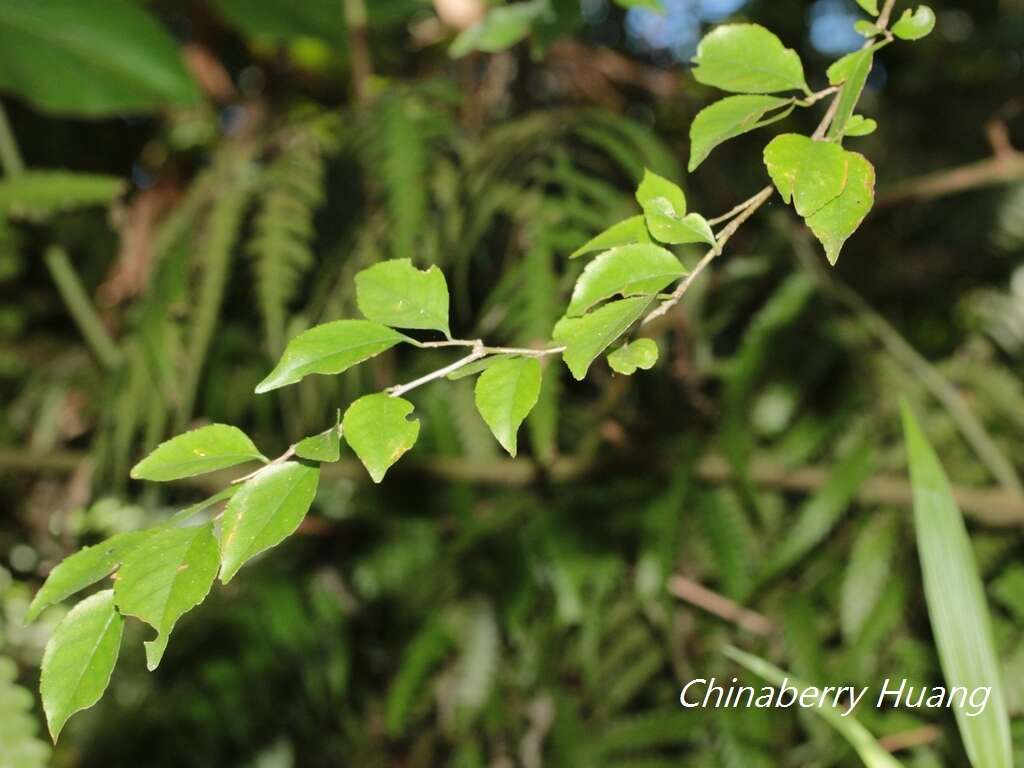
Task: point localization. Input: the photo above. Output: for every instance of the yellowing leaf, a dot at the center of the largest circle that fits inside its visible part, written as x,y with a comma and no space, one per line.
330,348
835,222
731,117
628,270
626,232
642,353
207,449
79,659
747,58
265,512
505,394
587,337
809,172
378,430
397,294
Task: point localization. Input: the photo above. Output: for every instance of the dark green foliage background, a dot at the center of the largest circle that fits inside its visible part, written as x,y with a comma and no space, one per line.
472,610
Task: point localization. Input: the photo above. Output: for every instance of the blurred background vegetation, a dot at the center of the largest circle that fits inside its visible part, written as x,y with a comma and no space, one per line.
476,610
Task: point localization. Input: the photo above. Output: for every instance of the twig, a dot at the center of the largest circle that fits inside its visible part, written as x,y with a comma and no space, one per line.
747,210
80,306
1004,168
440,373
279,460
886,13
724,608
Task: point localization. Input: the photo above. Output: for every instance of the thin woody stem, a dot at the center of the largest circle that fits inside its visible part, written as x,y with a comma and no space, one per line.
750,207
473,356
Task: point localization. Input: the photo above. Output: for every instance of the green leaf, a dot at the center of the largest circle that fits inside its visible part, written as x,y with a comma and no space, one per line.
747,58
956,602
323,447
502,28
668,228
834,223
869,751
860,126
914,26
654,187
79,659
395,293
90,58
809,172
265,512
867,575
851,72
378,430
165,577
276,20
328,349
626,232
476,367
629,270
82,569
871,6
36,194
642,353
505,394
731,117
207,449
587,337
865,28
654,5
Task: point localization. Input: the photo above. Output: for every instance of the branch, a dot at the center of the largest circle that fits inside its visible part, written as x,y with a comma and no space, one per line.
1003,168
712,602
742,212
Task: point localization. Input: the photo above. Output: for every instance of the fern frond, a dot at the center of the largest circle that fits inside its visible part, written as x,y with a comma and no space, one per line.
38,194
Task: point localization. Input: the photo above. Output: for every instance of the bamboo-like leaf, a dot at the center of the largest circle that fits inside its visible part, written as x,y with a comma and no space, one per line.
867,748
956,602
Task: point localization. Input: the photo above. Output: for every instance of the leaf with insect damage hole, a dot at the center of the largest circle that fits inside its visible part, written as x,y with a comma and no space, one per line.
378,429
642,353
267,510
397,294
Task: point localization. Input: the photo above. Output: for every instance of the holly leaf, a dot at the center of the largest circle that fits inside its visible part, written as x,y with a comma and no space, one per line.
747,58
165,577
79,659
207,449
378,430
265,512
628,270
642,353
809,172
587,337
323,447
915,25
837,220
505,394
83,569
731,117
397,294
328,349
626,232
